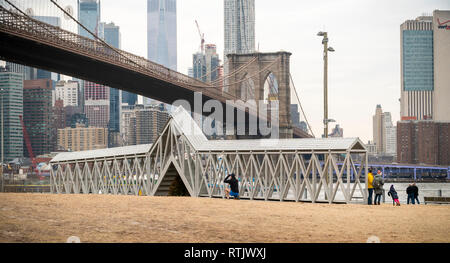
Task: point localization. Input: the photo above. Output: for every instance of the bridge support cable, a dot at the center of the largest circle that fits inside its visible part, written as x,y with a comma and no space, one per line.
214,70
234,72
255,74
247,78
25,15
300,104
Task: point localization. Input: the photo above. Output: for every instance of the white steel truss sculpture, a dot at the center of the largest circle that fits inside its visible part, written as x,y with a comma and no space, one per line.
313,170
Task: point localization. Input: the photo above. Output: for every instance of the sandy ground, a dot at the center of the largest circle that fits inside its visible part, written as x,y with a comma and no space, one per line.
107,218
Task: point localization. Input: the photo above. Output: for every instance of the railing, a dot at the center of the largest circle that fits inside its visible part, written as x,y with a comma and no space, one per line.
26,188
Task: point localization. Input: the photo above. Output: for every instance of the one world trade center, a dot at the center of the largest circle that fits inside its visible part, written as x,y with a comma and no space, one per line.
162,33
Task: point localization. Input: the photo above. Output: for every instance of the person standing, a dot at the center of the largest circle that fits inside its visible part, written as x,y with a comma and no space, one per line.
378,183
370,186
416,193
410,193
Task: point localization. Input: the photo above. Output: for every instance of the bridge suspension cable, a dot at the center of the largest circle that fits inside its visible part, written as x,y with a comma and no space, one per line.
247,78
95,36
76,21
300,104
214,70
235,71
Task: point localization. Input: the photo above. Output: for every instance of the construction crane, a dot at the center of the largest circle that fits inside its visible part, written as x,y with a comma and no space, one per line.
202,37
28,144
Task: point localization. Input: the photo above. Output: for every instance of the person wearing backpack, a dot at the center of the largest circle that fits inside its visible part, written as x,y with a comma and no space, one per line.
378,183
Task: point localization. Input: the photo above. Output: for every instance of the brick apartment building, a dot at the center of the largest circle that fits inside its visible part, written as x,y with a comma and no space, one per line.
424,142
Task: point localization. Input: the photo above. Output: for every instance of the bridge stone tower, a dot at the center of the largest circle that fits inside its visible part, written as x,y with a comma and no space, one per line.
266,78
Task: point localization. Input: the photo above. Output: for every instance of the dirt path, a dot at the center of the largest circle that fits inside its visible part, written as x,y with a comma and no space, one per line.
107,218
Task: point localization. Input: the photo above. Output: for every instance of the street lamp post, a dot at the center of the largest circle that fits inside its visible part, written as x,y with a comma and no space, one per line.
325,79
2,140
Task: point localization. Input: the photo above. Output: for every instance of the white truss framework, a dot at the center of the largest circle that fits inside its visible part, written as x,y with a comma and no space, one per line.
325,173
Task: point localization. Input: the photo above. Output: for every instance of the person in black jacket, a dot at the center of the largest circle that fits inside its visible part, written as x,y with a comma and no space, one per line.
410,193
234,185
415,191
392,193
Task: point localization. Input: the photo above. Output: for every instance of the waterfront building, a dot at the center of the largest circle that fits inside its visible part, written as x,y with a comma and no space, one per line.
82,138
38,115
11,101
425,80
423,142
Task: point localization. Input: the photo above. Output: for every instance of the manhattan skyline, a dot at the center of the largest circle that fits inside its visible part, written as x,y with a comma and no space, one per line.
363,72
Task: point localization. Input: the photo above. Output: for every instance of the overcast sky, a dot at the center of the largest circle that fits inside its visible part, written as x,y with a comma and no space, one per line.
363,72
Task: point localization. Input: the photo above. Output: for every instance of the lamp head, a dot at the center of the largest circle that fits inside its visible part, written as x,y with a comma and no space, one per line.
321,34
331,49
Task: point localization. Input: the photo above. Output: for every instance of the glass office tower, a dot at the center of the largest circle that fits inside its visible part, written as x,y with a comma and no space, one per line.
162,34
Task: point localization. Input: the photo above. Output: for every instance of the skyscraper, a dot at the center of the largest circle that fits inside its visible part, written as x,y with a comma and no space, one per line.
112,37
162,34
239,31
417,68
89,16
239,26
384,133
18,68
11,96
38,115
199,66
212,62
389,135
424,67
